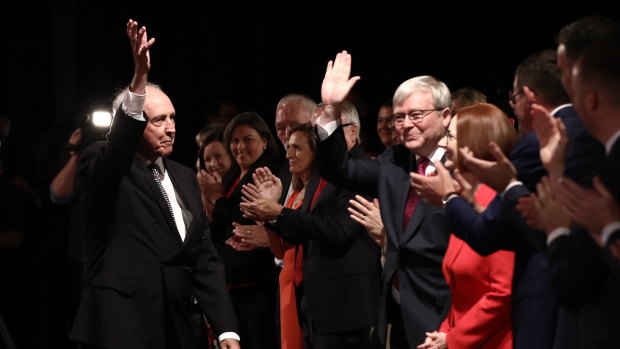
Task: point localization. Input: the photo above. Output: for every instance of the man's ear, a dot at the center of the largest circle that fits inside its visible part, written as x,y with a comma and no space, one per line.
446,115
531,96
592,99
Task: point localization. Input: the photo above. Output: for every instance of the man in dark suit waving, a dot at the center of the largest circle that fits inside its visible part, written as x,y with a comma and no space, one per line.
150,258
417,236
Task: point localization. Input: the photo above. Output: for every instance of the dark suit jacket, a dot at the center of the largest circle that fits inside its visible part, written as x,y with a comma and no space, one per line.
341,263
585,281
140,275
416,252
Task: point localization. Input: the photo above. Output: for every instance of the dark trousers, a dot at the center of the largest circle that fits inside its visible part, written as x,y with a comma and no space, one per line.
355,339
398,335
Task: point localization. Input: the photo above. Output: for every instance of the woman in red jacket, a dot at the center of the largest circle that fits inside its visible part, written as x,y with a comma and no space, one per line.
481,286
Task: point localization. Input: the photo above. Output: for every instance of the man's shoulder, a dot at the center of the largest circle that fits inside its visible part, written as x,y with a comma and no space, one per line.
177,167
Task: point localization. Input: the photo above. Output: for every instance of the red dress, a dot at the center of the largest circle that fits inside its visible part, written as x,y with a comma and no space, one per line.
480,313
290,332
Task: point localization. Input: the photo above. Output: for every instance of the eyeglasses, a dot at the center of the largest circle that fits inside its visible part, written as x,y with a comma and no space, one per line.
415,116
512,99
347,124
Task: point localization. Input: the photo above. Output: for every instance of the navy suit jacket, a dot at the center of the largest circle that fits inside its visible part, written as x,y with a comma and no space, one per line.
584,279
141,277
415,252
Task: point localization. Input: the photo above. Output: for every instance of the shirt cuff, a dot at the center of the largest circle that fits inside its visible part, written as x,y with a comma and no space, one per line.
608,230
509,186
556,233
133,105
326,130
228,335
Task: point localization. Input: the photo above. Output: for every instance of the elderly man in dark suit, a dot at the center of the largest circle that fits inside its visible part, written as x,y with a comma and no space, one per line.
414,289
150,257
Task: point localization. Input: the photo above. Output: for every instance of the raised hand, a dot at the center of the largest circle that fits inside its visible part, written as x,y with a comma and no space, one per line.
266,185
140,46
336,85
553,140
367,214
496,174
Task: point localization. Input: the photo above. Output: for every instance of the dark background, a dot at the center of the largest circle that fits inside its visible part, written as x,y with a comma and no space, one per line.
69,57
61,60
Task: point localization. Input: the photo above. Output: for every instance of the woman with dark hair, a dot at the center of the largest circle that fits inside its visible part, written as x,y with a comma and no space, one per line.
251,273
214,162
481,286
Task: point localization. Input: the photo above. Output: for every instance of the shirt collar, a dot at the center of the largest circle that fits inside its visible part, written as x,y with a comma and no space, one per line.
560,107
435,155
611,141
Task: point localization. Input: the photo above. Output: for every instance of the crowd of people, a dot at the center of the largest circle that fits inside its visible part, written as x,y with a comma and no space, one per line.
469,230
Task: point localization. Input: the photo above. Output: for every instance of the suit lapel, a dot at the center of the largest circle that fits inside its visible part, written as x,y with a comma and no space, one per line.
191,214
310,190
161,201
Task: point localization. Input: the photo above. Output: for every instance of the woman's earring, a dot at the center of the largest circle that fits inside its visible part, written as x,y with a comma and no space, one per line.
265,148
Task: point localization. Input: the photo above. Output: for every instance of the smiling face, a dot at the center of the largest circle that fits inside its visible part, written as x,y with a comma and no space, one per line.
451,145
299,154
423,137
158,137
246,146
216,158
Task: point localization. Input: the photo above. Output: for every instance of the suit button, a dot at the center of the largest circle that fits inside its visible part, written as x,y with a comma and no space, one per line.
190,270
155,297
203,237
156,222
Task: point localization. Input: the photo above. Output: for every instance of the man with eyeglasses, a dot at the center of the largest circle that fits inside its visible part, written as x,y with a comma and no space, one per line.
414,289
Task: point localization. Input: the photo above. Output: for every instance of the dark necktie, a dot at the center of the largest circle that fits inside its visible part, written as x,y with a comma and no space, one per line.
156,174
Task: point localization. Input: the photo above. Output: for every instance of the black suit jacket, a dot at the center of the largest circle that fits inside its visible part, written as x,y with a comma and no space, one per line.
141,277
246,267
341,263
415,252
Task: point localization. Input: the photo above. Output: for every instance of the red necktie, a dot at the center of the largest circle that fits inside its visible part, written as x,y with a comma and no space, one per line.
298,268
413,198
412,202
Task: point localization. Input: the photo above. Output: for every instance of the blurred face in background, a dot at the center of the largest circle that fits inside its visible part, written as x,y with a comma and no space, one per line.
246,146
288,115
216,158
384,125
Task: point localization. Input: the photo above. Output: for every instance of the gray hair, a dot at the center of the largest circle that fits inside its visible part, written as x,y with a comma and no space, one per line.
349,114
439,91
305,104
